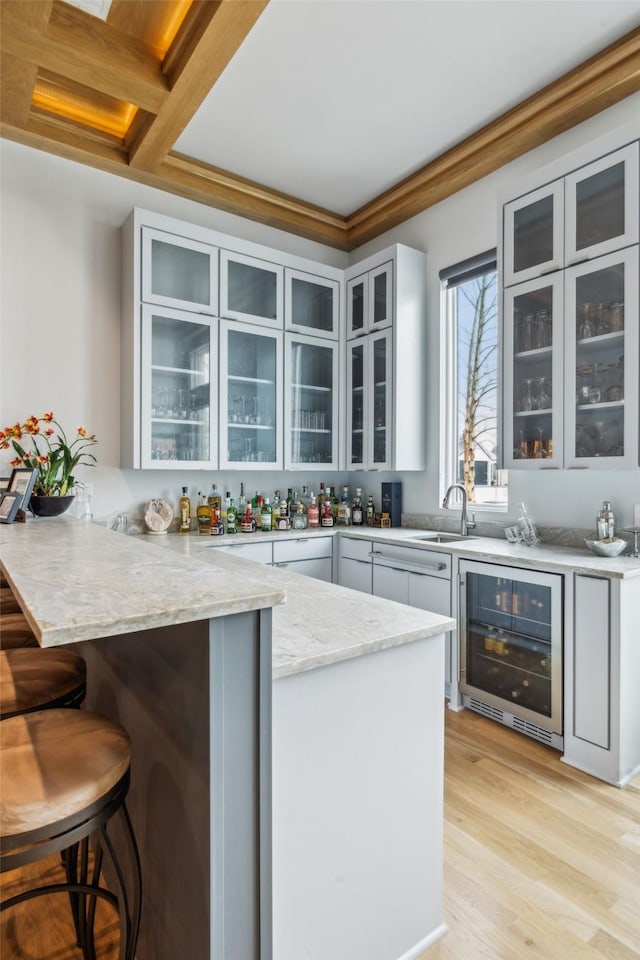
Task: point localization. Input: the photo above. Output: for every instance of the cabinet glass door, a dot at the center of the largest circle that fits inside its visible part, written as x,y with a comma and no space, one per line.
357,403
357,290
601,398
251,289
533,386
179,273
533,234
311,407
380,297
311,304
512,646
179,412
250,397
602,206
380,408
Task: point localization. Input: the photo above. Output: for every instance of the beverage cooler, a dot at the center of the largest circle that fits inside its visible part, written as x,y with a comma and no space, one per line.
511,647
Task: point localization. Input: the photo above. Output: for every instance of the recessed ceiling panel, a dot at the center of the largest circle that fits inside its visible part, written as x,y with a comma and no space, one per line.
335,101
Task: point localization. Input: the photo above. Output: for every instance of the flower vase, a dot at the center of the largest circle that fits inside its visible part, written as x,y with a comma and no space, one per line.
50,506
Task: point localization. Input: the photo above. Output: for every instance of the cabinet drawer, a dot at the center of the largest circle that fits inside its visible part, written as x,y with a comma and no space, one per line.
321,568
260,552
353,549
307,548
431,561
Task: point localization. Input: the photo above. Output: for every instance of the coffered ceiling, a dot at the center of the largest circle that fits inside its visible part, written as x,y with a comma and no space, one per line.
333,119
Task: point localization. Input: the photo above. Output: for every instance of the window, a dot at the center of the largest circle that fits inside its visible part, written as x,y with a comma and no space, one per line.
470,368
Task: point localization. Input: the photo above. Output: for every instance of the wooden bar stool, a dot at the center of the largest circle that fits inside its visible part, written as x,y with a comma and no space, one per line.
15,632
65,775
38,679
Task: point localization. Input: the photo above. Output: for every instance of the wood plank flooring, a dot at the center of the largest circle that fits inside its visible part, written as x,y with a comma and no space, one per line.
542,862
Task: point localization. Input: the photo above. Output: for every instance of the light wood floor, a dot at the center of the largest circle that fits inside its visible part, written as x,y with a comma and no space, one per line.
542,862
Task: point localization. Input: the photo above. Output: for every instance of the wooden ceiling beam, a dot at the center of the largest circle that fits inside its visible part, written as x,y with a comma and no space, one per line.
86,50
599,82
221,28
19,76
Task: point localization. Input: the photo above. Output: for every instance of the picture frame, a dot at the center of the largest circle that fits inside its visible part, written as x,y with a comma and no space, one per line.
22,482
9,505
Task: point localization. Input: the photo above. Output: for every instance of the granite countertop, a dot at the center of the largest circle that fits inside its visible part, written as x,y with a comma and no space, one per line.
321,623
78,581
546,556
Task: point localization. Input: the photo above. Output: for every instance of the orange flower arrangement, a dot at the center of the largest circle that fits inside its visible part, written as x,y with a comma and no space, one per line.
53,457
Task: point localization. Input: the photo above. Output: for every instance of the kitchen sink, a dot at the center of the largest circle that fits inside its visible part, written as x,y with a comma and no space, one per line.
444,537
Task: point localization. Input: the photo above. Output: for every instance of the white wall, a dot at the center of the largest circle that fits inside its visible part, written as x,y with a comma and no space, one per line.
467,224
60,303
60,311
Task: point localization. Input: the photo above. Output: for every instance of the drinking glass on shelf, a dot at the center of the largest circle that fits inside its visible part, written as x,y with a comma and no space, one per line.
616,316
544,393
527,333
542,330
602,318
588,325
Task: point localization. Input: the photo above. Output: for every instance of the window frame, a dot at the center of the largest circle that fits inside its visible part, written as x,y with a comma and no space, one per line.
451,278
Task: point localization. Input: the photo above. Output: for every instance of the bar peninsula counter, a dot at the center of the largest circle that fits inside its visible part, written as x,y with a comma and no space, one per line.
287,756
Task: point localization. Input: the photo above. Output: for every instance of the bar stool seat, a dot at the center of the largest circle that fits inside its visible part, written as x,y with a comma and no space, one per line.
65,774
36,679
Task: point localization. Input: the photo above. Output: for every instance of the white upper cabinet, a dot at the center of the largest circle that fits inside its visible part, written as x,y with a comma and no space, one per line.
311,407
534,234
601,206
571,351
385,361
251,290
311,304
178,272
250,396
370,300
178,390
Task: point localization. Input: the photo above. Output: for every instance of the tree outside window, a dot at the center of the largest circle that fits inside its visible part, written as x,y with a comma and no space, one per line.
472,322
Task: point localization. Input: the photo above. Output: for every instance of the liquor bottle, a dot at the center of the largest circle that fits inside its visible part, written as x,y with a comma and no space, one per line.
290,502
225,507
242,505
299,518
247,523
327,519
334,502
185,511
215,499
322,496
203,515
344,508
284,510
257,511
313,512
370,511
357,513
266,517
232,517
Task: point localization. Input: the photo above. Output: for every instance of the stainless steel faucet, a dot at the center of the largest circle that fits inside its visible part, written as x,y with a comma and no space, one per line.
465,525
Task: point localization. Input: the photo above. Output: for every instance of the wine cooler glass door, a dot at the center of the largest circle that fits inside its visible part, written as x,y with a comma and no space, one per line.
512,647
178,397
251,397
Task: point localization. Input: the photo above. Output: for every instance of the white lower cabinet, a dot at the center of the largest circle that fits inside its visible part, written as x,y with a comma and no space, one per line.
354,564
602,665
311,556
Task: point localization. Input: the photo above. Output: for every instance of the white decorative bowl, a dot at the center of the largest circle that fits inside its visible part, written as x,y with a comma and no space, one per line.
607,548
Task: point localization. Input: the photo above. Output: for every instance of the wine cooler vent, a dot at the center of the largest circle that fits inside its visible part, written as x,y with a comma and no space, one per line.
516,723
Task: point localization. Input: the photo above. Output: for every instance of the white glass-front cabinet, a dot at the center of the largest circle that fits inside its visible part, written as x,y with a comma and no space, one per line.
312,304
533,373
588,213
370,300
601,206
251,365
601,347
534,234
177,272
311,402
251,289
178,408
369,401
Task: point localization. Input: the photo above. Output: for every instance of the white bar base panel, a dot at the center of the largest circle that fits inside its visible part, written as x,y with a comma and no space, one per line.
358,806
